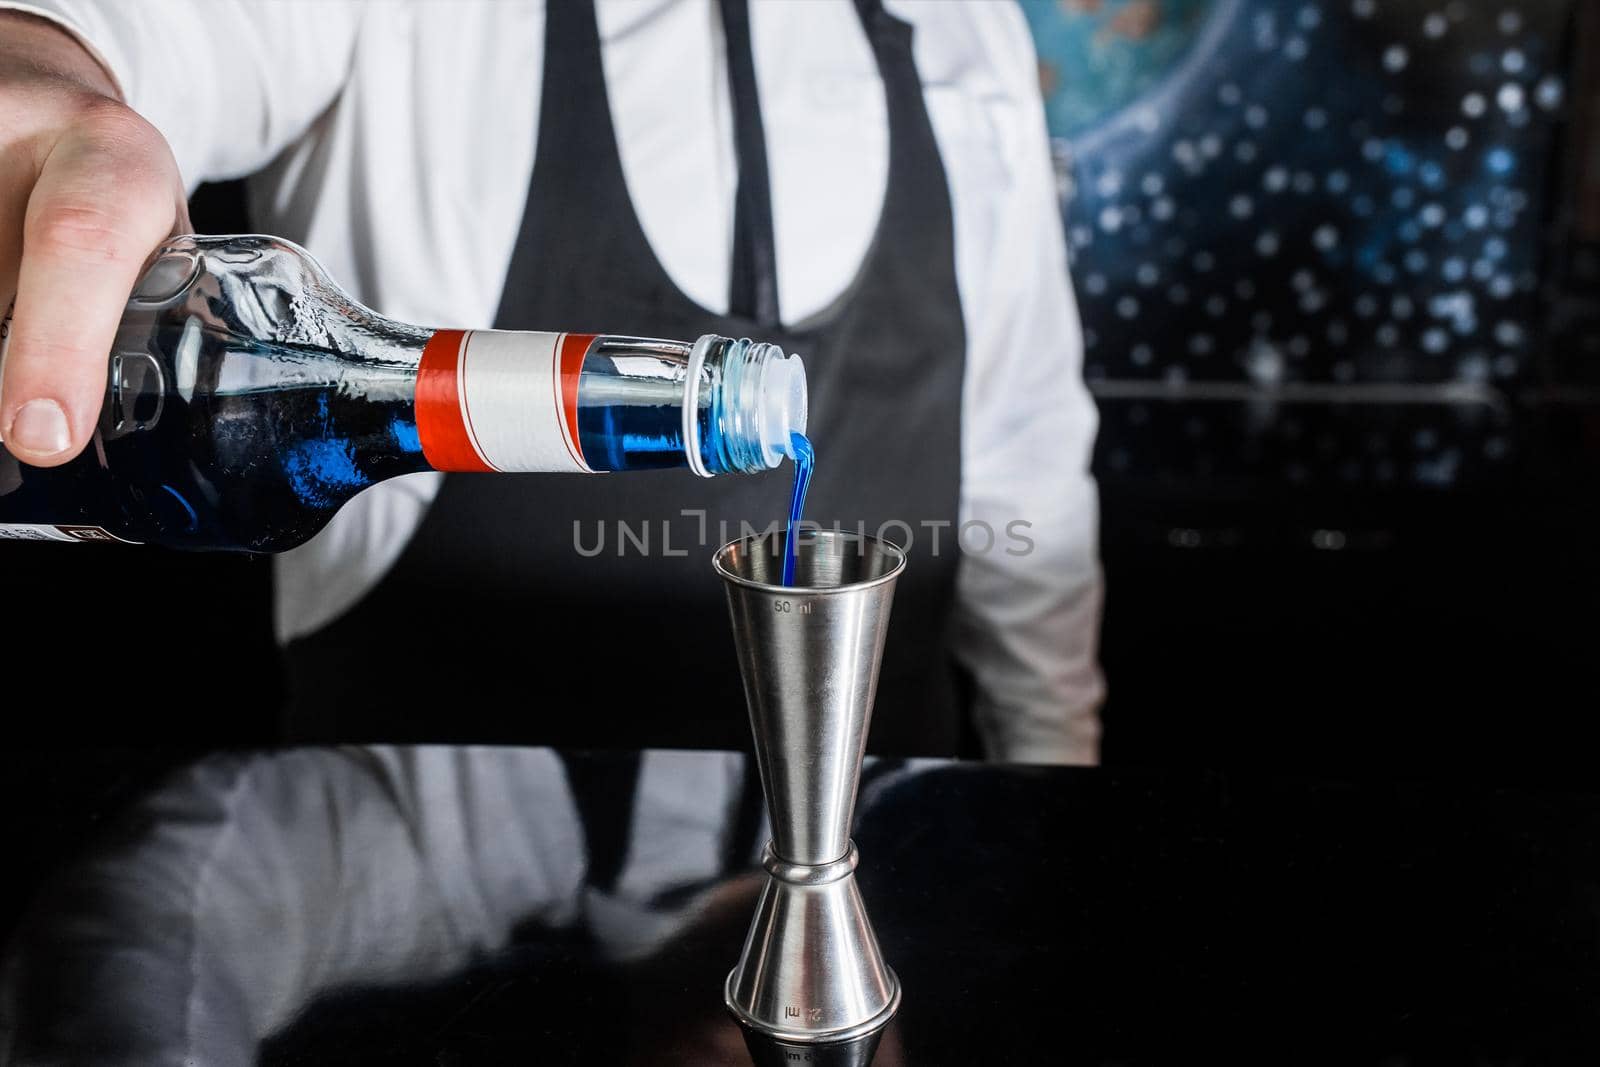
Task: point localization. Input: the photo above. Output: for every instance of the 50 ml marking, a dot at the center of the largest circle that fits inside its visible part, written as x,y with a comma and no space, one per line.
786,607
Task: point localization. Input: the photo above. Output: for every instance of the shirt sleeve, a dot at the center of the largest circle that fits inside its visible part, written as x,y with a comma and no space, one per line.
1029,586
229,83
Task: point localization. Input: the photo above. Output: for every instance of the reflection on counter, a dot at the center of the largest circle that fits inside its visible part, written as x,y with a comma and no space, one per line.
337,906
452,907
769,1052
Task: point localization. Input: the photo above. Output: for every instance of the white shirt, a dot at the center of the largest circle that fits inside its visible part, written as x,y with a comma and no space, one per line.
395,139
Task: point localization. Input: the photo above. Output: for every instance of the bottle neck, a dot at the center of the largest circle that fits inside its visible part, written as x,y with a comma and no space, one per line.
733,386
513,401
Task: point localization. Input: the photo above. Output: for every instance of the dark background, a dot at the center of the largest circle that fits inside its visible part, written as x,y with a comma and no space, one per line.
1339,290
1332,549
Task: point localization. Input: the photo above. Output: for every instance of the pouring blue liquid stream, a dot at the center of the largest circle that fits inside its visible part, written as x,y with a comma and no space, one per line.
804,460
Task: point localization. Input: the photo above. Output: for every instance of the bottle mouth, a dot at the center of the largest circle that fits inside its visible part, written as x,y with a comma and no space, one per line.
783,401
754,399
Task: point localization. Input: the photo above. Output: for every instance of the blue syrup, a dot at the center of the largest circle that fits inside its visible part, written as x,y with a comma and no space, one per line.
249,445
629,418
804,460
630,414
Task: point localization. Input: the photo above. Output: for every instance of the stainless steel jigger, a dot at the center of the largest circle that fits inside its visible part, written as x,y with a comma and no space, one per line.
811,971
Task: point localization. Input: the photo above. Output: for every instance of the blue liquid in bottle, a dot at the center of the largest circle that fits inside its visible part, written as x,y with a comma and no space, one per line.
804,460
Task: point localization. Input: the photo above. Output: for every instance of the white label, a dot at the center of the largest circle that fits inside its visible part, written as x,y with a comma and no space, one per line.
22,532
511,401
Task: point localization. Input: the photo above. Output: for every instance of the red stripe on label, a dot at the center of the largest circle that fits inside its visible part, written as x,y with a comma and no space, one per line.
441,420
574,347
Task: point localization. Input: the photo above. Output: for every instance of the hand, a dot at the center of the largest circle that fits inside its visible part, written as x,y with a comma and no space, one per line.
87,190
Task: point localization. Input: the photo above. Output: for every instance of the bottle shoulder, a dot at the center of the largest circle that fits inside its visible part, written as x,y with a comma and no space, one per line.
270,290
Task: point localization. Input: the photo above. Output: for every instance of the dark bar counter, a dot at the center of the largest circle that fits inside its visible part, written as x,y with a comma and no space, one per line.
450,906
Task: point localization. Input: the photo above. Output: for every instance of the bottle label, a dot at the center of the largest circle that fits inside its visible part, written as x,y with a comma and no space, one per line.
492,400
18,532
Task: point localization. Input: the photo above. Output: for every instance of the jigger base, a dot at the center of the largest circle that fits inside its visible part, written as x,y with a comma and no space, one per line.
811,971
816,1037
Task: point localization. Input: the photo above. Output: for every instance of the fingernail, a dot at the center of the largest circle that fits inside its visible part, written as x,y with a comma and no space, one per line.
40,427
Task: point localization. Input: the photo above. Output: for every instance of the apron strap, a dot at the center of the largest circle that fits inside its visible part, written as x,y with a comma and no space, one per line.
753,279
577,162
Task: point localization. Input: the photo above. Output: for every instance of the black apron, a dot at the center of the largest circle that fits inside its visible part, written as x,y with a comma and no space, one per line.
493,625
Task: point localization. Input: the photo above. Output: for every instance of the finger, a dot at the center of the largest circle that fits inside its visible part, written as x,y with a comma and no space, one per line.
103,201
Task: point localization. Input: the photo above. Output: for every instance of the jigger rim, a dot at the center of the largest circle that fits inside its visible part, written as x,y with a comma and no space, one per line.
728,575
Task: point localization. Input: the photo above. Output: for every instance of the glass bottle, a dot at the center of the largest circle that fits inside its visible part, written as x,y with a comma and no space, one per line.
249,398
